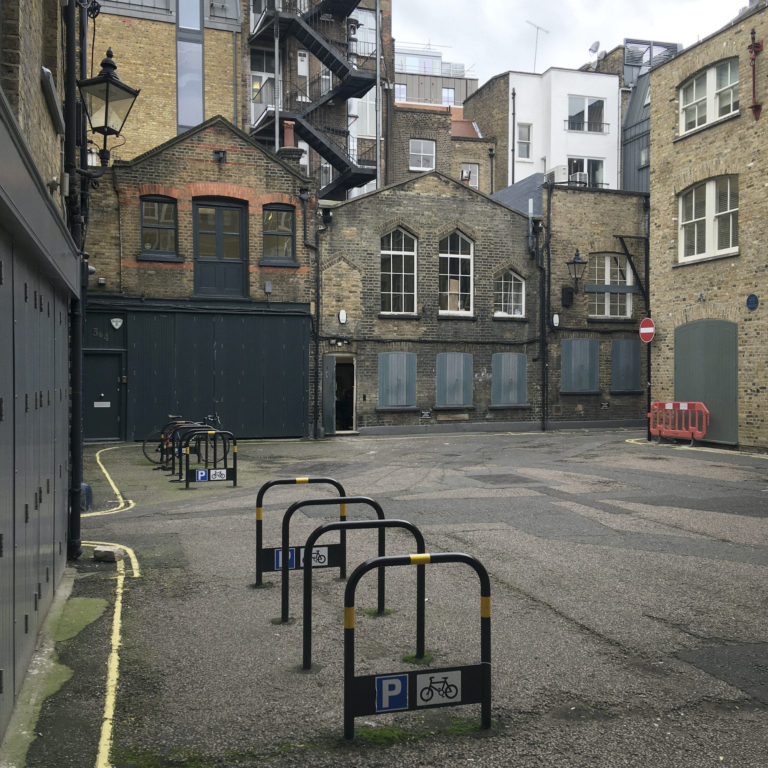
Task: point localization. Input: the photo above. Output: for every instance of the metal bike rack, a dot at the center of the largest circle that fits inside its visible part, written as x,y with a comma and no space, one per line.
211,472
380,694
284,561
263,563
362,525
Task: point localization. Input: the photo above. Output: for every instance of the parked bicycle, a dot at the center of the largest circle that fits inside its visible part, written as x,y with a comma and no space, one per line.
160,444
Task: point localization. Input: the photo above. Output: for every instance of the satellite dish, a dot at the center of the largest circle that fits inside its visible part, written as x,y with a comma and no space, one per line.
595,47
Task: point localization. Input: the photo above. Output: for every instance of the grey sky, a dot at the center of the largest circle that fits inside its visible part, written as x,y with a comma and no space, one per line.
493,36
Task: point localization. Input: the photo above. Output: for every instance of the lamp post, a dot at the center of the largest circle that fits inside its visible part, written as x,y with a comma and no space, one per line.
107,102
576,267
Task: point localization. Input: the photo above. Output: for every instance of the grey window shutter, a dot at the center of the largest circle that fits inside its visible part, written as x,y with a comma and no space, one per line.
625,365
579,372
397,379
508,378
454,379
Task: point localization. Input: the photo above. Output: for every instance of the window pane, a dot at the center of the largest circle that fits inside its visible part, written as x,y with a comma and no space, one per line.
230,247
149,212
595,115
189,14
277,247
207,245
189,83
166,240
206,219
230,220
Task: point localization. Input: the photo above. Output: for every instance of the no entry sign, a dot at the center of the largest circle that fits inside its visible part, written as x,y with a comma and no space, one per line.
647,329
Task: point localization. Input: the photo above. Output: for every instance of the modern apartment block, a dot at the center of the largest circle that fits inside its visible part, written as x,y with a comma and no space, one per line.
708,265
564,123
422,77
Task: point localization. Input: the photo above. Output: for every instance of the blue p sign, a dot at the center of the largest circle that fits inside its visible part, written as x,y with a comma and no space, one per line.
201,475
391,693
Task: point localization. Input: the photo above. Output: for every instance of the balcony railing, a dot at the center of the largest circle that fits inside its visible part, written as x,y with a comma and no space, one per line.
586,126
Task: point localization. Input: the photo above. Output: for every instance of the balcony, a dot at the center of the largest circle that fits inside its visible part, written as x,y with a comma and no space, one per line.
572,124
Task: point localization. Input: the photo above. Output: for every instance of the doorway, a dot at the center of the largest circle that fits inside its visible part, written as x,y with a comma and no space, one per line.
345,394
102,396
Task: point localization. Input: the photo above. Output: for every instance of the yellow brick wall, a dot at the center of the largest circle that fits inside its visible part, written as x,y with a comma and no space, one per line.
145,55
715,288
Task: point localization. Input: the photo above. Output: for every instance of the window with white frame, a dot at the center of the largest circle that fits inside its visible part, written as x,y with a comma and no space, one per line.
398,272
470,172
455,274
401,92
449,97
421,155
609,285
365,110
508,295
524,141
586,113
709,95
709,219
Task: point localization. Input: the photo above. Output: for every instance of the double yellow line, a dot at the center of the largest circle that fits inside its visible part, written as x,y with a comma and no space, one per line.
113,662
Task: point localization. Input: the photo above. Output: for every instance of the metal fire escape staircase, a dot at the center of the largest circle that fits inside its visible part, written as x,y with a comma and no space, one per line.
305,105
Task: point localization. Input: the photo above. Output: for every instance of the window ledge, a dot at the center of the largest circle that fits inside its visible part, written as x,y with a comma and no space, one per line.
151,256
719,121
453,407
581,392
510,318
448,316
279,263
398,316
703,259
510,407
403,408
626,391
622,320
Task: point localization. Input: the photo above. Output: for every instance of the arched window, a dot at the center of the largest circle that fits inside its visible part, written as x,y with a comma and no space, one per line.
398,272
455,274
509,295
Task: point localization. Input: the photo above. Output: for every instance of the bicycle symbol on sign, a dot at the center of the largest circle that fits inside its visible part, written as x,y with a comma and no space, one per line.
318,558
442,688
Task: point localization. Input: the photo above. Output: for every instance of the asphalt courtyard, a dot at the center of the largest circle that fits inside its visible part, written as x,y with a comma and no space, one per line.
628,622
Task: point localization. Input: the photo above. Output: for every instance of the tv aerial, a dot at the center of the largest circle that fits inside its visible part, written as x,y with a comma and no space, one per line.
536,46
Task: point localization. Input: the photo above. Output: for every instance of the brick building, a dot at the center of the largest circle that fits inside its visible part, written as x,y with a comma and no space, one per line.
430,309
40,274
708,266
258,63
425,137
200,302
597,366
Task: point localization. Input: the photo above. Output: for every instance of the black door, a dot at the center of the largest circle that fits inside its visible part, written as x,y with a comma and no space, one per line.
102,401
220,249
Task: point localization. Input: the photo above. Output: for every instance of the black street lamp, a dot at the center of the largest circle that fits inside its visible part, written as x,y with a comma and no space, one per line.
576,267
107,102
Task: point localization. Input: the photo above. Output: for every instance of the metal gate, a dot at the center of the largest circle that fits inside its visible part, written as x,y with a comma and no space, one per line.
706,370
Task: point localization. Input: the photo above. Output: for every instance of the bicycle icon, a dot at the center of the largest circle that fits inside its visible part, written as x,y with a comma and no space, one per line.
442,688
318,558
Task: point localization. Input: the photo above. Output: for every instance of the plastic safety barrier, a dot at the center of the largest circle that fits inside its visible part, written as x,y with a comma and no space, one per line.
674,419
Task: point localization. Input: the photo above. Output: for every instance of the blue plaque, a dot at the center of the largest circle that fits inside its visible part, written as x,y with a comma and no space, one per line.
752,302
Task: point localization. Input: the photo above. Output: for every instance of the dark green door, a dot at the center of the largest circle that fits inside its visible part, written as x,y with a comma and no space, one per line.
220,249
102,396
706,370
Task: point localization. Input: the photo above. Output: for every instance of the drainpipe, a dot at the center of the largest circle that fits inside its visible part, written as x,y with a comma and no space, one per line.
75,222
378,94
315,248
514,131
278,84
491,155
545,287
647,210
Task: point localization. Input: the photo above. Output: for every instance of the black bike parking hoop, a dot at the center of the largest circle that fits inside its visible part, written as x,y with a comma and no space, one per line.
379,525
449,686
211,472
285,555
268,559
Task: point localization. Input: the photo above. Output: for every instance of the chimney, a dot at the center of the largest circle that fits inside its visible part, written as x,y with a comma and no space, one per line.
289,140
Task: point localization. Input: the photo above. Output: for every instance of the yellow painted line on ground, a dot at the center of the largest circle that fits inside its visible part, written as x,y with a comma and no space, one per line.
113,662
123,504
